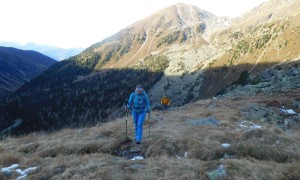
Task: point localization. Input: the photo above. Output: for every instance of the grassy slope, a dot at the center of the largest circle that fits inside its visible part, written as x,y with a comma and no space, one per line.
267,153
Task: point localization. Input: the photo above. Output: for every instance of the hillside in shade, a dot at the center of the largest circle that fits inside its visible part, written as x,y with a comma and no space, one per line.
18,67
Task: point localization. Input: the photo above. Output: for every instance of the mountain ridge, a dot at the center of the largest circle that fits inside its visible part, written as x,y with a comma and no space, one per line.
51,51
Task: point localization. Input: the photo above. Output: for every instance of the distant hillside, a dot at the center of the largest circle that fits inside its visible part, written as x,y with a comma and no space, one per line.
53,52
18,67
181,51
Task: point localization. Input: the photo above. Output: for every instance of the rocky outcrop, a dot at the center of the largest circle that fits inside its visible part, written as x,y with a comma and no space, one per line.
275,79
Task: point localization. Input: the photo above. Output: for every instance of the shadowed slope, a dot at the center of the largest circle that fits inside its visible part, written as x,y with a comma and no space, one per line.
18,67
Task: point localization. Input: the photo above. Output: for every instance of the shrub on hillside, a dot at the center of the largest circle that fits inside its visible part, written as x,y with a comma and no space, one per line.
244,78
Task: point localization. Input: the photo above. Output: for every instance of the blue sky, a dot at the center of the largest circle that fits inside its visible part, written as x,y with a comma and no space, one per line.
81,23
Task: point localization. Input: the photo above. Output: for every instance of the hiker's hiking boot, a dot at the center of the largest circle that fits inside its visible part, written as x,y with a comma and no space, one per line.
138,142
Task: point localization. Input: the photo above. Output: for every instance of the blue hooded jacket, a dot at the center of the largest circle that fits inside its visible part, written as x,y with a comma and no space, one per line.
139,102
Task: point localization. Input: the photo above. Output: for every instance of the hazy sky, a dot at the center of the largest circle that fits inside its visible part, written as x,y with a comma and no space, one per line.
81,23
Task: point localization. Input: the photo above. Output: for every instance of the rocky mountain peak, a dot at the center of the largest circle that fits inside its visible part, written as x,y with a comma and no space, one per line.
179,24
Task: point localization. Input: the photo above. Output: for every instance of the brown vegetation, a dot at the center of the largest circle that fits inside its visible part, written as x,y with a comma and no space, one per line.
175,149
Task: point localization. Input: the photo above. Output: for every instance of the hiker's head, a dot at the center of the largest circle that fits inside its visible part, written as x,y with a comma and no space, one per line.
139,89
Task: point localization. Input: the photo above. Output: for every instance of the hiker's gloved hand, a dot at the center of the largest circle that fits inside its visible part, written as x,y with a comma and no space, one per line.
128,107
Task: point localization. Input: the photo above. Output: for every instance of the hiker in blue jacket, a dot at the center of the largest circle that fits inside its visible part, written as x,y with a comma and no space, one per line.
140,104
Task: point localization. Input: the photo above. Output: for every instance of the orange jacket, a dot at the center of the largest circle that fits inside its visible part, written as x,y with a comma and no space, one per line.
165,101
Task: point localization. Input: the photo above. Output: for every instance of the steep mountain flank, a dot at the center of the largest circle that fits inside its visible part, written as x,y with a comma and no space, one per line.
259,39
175,25
18,67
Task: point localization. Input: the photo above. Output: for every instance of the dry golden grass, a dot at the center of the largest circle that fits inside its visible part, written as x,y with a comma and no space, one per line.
175,150
8,158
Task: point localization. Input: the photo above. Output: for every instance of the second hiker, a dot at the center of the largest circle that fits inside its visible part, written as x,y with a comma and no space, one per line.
140,104
165,101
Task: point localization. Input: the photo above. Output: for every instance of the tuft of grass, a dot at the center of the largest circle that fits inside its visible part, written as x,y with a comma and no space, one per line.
8,159
33,161
73,149
164,167
90,148
262,152
292,171
29,149
208,113
273,103
196,149
161,147
228,137
249,168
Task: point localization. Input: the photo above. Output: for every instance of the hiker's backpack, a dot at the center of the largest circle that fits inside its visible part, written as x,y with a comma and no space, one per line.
138,103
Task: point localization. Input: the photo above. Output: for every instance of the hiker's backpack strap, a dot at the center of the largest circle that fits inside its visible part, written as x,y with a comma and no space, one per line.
136,104
130,101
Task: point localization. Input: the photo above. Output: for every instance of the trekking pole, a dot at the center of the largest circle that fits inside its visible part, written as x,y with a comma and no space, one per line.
149,124
126,124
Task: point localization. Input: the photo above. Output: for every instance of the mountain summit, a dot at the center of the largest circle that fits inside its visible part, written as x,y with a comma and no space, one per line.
178,24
